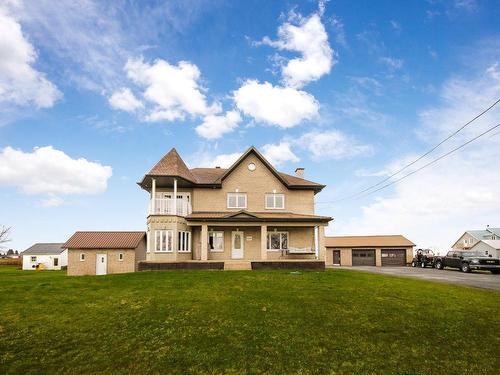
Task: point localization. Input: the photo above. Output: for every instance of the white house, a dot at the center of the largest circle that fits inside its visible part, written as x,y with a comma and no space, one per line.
488,247
50,256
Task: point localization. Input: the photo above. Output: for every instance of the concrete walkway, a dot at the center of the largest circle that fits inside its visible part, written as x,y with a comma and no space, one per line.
476,279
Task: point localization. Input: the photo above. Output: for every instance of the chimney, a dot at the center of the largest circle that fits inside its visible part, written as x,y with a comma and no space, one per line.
299,172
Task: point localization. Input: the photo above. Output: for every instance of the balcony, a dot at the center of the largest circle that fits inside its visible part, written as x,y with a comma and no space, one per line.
164,206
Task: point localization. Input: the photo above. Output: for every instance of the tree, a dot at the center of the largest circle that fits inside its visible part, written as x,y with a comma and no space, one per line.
4,235
10,252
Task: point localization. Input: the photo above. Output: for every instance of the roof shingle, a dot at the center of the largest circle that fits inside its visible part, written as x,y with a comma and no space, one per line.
368,241
104,240
44,248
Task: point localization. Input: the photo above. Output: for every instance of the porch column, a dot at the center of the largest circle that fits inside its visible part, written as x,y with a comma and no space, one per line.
316,242
153,195
175,196
204,242
263,242
321,242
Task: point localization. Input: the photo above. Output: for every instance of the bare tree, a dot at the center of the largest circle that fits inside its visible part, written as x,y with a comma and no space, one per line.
4,235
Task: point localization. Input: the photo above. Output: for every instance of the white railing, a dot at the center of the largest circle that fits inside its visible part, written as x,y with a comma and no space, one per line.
165,206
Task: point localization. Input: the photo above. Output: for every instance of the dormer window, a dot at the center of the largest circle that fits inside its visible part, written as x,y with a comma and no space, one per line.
236,200
275,201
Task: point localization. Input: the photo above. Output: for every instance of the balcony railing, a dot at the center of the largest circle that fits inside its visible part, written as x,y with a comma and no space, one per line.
165,206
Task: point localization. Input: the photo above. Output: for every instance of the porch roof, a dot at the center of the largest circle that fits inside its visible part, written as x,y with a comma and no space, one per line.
245,216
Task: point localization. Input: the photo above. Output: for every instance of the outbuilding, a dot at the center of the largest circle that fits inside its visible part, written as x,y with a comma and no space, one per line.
49,256
384,250
490,248
101,253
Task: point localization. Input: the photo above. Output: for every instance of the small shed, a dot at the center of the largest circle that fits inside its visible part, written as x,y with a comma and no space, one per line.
49,256
101,253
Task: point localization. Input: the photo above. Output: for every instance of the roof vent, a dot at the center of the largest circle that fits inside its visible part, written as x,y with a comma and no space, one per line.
299,172
217,167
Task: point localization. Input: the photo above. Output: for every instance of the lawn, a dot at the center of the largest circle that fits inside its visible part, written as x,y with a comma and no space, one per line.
337,322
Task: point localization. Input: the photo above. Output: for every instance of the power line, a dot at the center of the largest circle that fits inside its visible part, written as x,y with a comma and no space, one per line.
417,159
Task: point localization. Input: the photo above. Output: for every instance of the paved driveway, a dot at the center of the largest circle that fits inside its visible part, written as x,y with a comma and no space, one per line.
476,279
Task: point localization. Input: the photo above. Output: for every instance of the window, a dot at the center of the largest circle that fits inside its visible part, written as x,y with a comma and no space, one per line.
120,257
56,262
216,241
184,242
236,200
163,241
275,201
277,241
33,259
82,257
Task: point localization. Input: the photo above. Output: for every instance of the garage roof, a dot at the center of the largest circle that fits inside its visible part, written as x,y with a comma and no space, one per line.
368,241
104,240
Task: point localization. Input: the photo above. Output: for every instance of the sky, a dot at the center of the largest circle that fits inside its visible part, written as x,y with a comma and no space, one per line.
94,93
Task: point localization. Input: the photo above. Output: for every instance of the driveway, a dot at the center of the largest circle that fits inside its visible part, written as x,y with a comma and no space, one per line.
476,279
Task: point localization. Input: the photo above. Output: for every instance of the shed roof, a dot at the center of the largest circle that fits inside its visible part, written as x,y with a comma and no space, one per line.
44,249
105,240
255,216
368,241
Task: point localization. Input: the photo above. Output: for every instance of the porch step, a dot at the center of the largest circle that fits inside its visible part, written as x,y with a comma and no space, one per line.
237,265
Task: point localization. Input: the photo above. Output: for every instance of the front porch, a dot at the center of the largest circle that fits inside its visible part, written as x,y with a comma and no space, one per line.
290,264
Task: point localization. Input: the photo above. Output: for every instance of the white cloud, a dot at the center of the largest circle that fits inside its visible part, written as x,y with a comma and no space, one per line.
308,37
458,193
279,154
395,25
52,201
285,107
173,90
392,62
125,100
215,126
50,171
223,160
20,82
332,144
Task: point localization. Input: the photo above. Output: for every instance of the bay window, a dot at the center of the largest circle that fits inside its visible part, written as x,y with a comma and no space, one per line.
163,241
184,242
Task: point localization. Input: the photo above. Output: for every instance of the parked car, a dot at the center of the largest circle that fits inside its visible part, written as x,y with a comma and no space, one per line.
467,261
423,258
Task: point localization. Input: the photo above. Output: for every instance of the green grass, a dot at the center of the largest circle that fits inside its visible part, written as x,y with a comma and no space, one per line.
336,322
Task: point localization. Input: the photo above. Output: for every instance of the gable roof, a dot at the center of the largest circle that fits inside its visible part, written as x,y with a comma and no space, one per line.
368,241
104,240
44,248
494,244
172,165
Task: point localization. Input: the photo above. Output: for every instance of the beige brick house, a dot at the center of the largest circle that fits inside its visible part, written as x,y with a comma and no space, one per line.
247,216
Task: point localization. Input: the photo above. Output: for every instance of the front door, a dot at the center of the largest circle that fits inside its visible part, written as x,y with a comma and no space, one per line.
336,257
237,245
101,265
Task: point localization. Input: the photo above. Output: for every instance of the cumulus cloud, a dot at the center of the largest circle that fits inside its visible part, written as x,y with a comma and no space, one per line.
125,100
285,107
173,90
47,170
455,194
215,126
20,82
332,144
279,154
308,37
391,62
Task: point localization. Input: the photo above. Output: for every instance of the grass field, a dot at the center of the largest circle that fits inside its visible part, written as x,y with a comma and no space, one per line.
337,321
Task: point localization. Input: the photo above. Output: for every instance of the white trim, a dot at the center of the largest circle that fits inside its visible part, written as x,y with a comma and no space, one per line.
242,236
208,237
274,195
184,242
237,195
82,257
281,240
120,257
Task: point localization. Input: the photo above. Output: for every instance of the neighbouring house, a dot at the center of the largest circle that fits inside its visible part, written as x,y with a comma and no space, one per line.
488,247
101,253
389,250
249,215
49,256
472,237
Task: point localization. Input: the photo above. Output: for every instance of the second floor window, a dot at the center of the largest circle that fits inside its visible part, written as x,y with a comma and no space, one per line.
236,200
275,201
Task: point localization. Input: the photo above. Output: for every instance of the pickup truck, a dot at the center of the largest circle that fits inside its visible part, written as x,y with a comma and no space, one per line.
467,261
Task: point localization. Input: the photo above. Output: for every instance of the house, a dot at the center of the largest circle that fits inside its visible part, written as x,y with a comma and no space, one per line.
471,237
101,253
249,215
488,247
49,256
388,250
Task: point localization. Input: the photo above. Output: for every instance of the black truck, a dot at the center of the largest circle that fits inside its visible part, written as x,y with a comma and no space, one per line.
467,261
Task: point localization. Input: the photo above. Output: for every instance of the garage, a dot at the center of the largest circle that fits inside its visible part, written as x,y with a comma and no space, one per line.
394,257
365,257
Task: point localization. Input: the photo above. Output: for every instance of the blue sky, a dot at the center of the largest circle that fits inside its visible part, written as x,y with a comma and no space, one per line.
93,94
